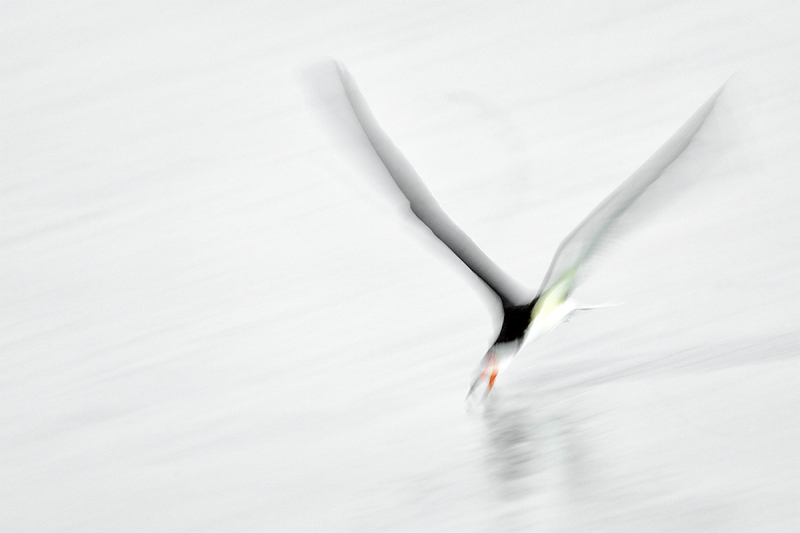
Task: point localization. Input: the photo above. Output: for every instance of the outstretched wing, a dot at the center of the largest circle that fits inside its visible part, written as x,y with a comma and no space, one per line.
424,205
583,242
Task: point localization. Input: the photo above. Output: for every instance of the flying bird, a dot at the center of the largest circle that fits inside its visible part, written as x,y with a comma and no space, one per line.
524,319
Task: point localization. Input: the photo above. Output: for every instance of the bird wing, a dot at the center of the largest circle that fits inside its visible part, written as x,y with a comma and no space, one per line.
424,205
579,246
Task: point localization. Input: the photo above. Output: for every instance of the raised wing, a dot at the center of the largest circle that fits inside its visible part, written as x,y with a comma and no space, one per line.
424,205
579,246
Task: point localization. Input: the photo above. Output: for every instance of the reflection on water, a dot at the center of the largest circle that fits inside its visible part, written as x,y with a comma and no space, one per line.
536,453
693,441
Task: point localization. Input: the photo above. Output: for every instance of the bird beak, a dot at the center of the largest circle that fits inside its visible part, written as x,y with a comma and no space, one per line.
489,374
493,375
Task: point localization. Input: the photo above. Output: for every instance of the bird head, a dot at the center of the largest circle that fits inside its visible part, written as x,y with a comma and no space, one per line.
493,363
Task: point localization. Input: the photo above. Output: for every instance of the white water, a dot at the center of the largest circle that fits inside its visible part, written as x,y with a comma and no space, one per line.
215,318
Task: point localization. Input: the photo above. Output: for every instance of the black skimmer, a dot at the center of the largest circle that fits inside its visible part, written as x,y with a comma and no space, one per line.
524,319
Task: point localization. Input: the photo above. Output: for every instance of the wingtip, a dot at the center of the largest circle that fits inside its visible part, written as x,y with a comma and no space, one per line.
344,74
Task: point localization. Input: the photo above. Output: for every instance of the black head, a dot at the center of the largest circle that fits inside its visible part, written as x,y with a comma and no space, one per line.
516,319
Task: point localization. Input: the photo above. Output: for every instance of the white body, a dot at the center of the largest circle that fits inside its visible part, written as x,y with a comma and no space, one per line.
549,317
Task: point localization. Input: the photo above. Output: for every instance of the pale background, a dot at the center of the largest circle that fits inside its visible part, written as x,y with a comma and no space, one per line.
214,317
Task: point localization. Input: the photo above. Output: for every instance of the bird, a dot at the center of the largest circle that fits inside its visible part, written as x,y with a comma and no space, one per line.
524,318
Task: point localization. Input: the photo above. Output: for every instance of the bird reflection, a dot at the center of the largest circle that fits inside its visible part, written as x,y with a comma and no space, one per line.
534,448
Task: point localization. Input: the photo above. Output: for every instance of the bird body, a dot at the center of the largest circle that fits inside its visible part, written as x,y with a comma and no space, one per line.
522,324
524,319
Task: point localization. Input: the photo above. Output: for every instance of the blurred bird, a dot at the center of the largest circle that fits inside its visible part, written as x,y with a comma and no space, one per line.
524,319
